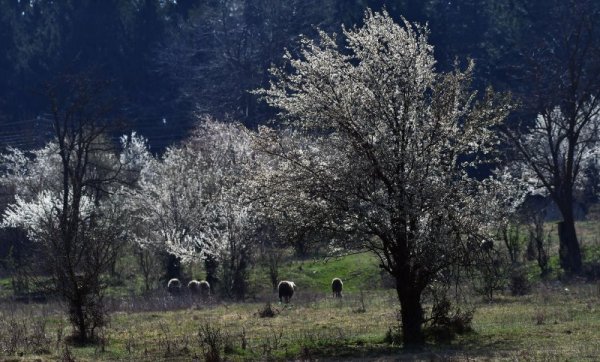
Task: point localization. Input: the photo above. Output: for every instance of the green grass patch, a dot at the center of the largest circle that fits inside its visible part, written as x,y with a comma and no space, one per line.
358,271
5,287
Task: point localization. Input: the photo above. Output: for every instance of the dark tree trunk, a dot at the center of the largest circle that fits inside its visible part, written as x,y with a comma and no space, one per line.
240,279
411,312
78,317
172,266
211,265
569,251
274,271
301,248
542,256
143,262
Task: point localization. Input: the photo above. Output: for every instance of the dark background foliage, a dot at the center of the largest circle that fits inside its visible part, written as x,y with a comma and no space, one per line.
167,60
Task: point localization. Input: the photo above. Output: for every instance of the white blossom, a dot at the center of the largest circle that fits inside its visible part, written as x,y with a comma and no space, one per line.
378,150
191,201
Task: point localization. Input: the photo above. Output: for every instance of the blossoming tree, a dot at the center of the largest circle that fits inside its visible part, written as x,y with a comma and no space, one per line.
377,148
192,202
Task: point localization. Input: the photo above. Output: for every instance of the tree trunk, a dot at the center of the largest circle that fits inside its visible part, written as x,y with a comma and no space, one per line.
569,251
80,322
239,276
172,266
411,313
211,265
274,275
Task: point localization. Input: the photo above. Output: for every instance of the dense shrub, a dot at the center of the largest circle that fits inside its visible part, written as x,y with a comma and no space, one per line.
268,311
591,270
519,282
446,322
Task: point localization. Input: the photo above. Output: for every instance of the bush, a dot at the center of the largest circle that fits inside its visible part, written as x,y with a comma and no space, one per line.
591,270
519,282
444,323
268,311
393,336
491,274
212,340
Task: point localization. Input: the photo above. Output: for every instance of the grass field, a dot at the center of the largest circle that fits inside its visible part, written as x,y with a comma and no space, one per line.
556,321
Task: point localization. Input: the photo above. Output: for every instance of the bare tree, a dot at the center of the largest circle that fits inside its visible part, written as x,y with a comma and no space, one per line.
540,241
511,235
377,153
557,148
148,264
78,218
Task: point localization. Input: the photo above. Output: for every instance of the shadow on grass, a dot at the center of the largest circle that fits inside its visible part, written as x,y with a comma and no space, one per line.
470,346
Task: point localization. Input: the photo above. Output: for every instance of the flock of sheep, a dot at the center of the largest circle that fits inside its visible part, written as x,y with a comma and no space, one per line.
286,288
195,287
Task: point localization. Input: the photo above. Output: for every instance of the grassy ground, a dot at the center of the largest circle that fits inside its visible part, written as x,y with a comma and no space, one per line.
555,322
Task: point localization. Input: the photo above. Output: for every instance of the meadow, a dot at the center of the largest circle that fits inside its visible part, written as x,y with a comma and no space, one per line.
555,322
559,319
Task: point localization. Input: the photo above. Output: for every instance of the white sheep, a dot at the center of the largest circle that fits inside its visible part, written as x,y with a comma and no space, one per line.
174,286
204,287
286,290
336,287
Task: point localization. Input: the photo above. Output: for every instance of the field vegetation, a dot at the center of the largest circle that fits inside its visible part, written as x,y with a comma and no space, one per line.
557,320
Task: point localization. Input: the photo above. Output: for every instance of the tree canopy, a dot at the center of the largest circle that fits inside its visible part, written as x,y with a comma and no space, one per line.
379,151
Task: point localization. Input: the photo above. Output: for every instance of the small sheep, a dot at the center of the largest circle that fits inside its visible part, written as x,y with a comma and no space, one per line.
336,287
286,290
174,286
194,287
204,288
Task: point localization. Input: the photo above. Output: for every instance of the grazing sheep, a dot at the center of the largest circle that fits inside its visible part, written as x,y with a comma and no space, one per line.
286,290
336,287
174,286
204,287
194,287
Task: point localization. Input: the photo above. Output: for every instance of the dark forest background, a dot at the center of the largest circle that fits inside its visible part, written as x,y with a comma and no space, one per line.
166,61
